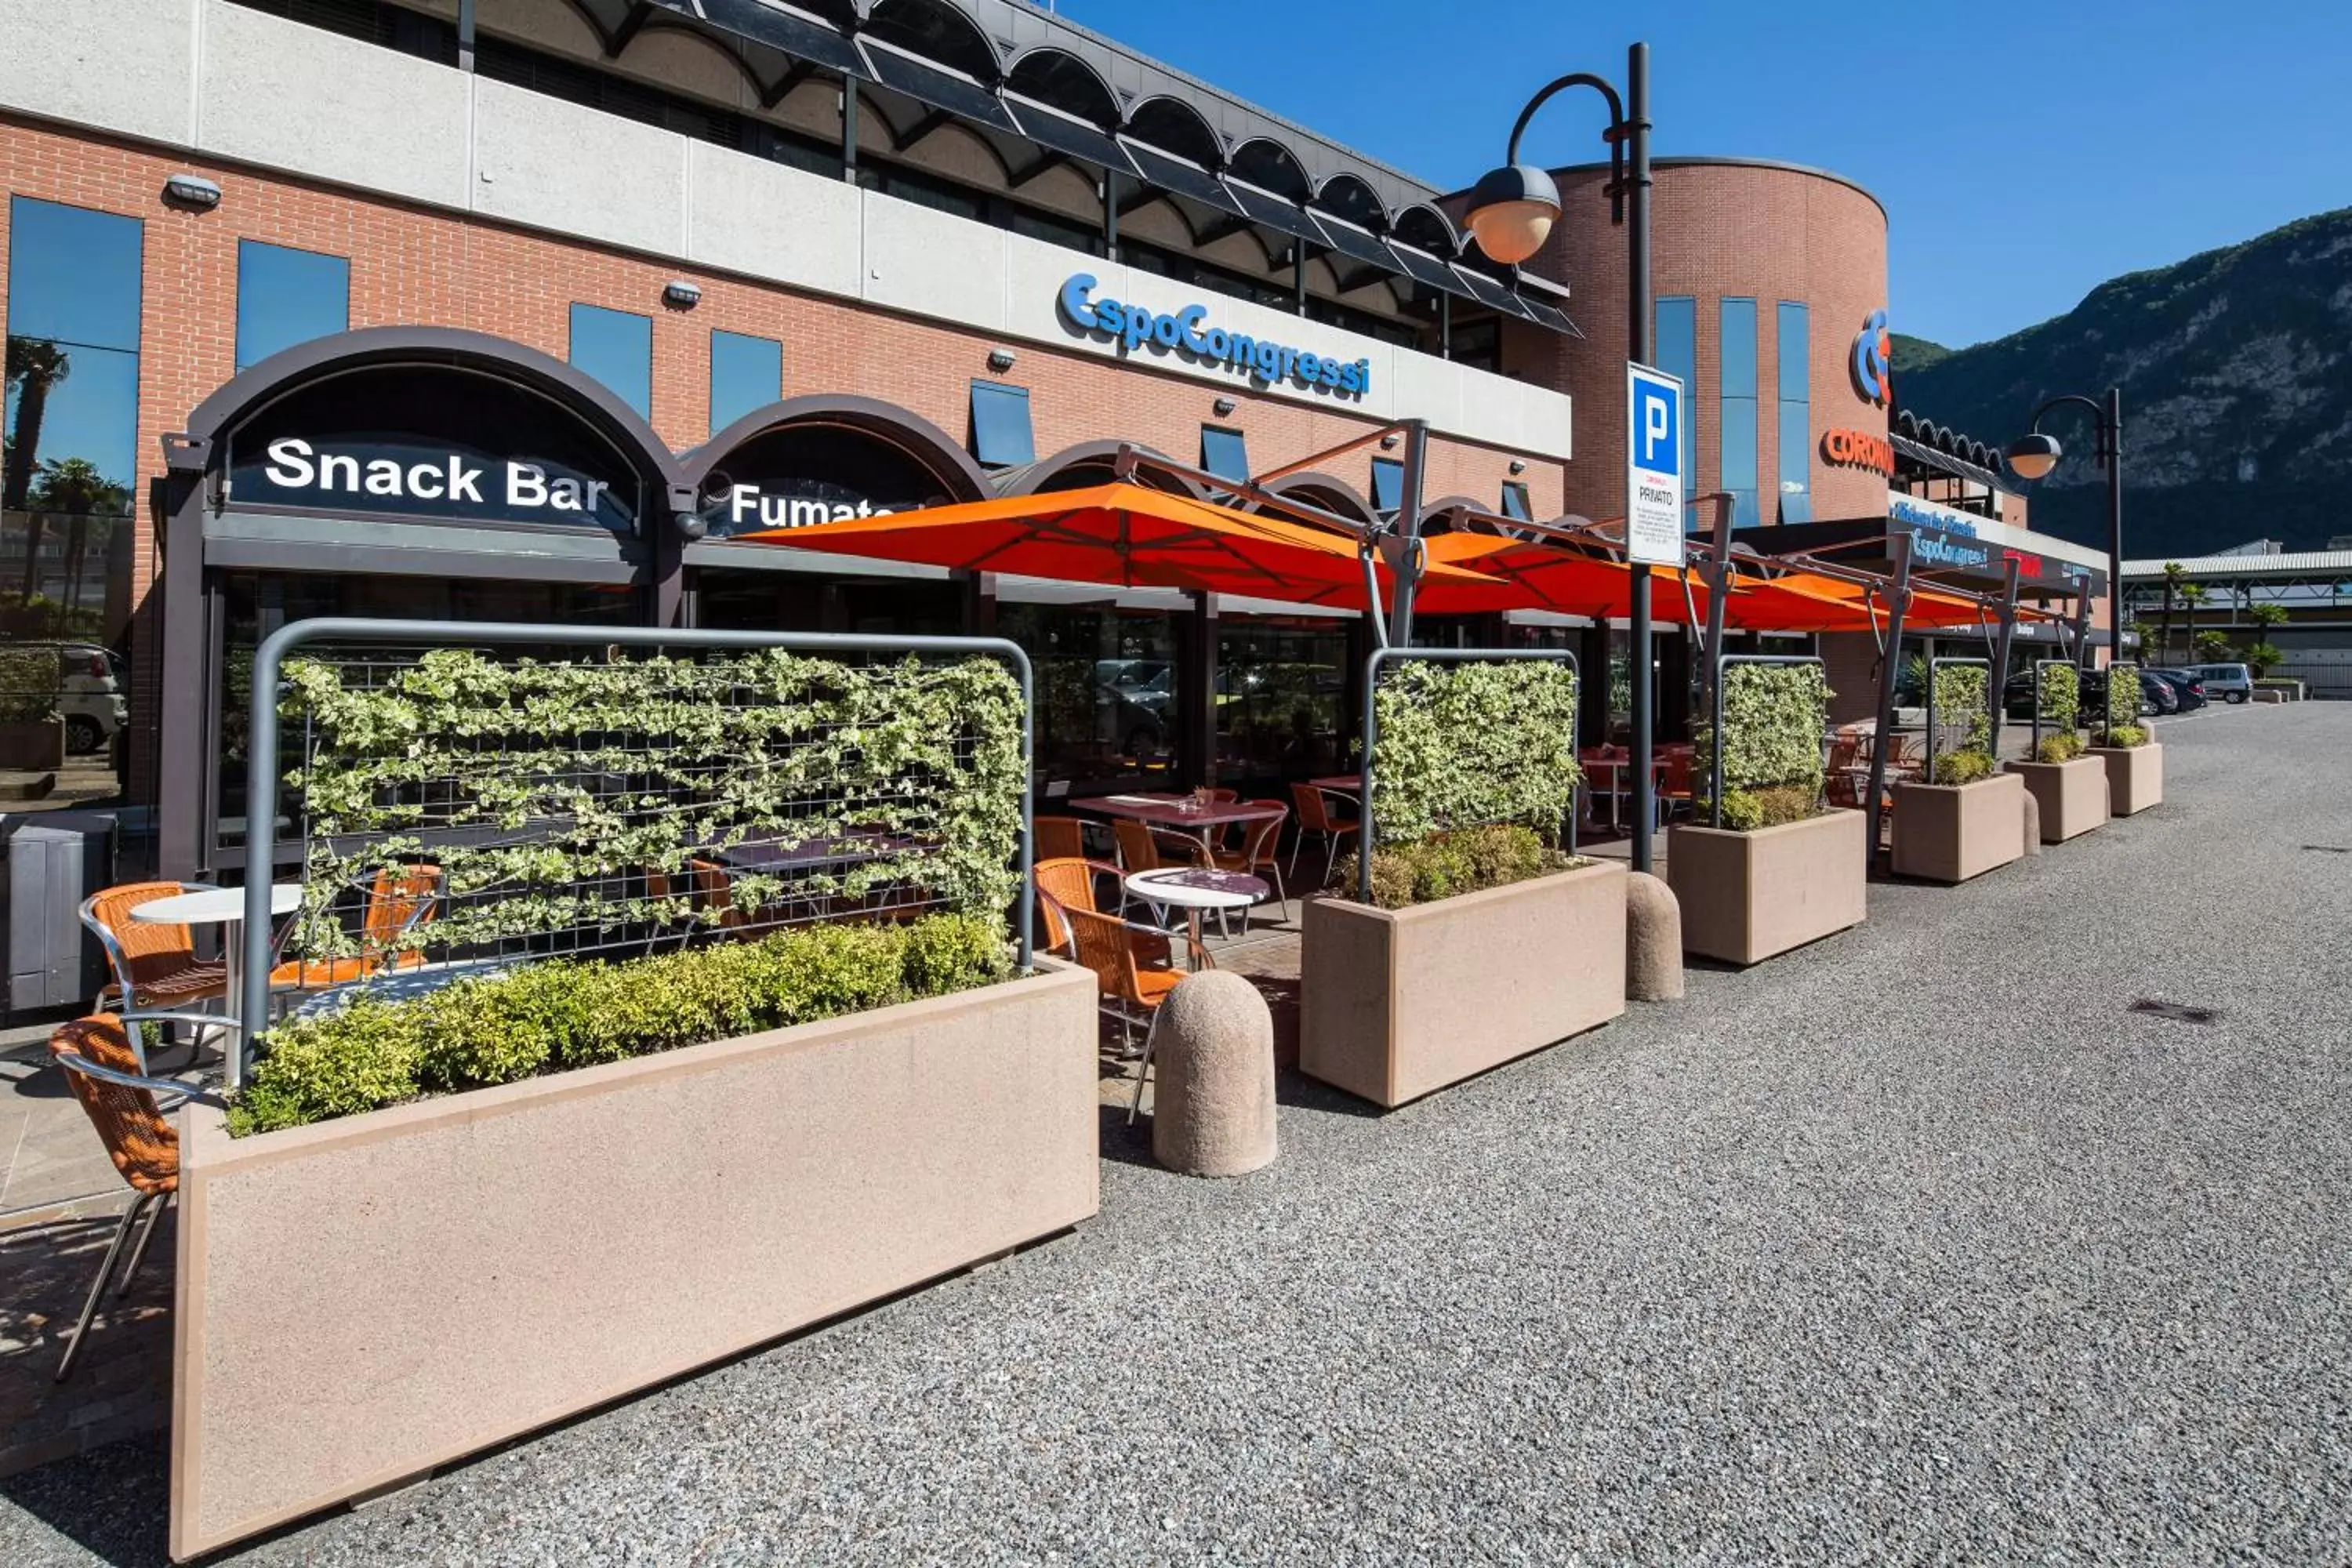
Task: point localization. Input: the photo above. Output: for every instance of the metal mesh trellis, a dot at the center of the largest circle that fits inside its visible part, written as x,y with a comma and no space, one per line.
636,790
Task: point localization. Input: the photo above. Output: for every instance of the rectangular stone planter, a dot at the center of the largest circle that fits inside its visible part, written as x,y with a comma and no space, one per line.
1395,1004
37,747
2135,776
1949,832
362,1300
2072,796
1746,897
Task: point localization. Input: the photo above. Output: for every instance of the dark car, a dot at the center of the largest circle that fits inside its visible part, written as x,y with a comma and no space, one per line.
2156,696
2185,685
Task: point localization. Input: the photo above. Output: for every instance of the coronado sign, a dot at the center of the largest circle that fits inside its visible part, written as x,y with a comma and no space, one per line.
1186,331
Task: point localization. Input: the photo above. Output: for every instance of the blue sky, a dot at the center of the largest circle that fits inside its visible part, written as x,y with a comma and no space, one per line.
2025,154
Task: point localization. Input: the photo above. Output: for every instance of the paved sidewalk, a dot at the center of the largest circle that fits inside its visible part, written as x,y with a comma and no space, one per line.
1916,1246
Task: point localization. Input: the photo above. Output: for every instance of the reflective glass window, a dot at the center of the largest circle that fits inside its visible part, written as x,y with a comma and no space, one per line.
1677,350
616,347
1387,484
1109,702
73,275
746,373
1794,435
285,297
1225,453
1515,500
1737,441
1002,437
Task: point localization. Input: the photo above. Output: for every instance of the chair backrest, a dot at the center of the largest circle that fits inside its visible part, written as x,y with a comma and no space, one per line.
1257,847
1225,797
1069,880
1312,812
714,893
1060,839
139,1137
148,950
1101,943
1845,751
398,898
1678,772
1138,849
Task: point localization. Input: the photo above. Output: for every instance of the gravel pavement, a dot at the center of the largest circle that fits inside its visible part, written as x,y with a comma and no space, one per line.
1915,1245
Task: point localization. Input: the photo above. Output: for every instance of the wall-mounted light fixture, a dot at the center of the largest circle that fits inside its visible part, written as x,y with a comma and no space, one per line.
1000,359
681,294
1224,406
192,191
1518,466
1387,442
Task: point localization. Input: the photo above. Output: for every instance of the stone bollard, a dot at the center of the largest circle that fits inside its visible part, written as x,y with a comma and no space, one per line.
1213,1050
1654,941
2033,824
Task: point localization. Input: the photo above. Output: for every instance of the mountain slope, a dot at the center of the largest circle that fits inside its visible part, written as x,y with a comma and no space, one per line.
2236,370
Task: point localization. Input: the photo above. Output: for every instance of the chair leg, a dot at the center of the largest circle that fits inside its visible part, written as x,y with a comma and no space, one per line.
97,1286
139,1248
1143,1070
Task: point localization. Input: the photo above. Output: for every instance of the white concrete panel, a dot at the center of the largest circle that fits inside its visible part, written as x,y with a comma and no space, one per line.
1424,387
934,264
291,97
766,220
125,65
556,166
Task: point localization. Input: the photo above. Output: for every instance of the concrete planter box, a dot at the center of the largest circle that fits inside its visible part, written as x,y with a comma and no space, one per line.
362,1300
38,747
1746,897
1395,1004
2072,796
2135,776
1949,832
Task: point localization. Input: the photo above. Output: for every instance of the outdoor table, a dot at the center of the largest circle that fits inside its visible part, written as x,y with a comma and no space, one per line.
222,906
1339,784
1616,789
1194,889
1181,812
769,853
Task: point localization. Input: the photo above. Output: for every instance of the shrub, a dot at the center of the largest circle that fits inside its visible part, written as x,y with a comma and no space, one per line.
1463,745
1467,860
2062,747
2059,696
2127,735
561,1014
1962,767
2123,700
2259,659
29,685
1773,717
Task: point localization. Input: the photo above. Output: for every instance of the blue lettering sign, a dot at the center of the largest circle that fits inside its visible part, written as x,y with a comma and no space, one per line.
1186,331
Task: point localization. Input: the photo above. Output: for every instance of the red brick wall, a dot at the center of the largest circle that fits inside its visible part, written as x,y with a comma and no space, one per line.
1717,231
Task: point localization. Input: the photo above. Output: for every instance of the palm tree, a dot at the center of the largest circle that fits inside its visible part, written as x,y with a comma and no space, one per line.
2267,617
74,487
2191,595
2175,576
34,367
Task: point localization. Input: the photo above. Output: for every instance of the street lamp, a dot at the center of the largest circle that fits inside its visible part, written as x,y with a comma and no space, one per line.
1512,210
2033,454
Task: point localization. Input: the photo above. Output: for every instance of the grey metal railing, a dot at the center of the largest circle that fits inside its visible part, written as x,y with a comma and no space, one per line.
264,770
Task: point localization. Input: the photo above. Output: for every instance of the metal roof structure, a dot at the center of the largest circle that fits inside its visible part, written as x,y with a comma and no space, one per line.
2298,564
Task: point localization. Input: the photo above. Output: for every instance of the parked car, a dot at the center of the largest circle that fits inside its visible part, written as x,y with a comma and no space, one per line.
2157,695
2185,685
91,687
2230,683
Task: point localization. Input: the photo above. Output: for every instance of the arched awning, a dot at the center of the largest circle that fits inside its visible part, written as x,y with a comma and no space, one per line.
1327,491
1090,463
824,457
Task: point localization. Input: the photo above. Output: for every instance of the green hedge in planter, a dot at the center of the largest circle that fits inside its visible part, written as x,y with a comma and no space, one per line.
1960,689
1446,864
2123,703
2060,693
29,685
1773,719
1466,745
2062,747
2126,736
559,1015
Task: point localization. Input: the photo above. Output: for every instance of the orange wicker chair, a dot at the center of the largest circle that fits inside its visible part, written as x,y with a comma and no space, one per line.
397,901
1674,792
1315,817
154,966
1060,839
108,1072
1142,847
1131,989
1258,853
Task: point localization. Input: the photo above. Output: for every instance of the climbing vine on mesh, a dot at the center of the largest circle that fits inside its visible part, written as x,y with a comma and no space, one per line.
572,796
1470,744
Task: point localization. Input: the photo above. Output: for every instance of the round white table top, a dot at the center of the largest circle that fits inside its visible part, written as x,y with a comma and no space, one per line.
214,906
1194,887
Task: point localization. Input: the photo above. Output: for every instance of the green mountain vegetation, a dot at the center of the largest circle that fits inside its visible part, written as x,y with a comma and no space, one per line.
2236,370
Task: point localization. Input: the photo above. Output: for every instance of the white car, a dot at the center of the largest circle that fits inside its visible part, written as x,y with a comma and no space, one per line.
91,683
2230,683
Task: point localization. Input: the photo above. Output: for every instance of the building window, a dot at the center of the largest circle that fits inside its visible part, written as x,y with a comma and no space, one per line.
1000,434
1795,432
69,434
1387,484
746,373
1514,501
1738,448
1225,453
285,297
616,347
1677,332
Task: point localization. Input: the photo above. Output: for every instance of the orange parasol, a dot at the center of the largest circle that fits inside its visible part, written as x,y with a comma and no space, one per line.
1123,535
1532,575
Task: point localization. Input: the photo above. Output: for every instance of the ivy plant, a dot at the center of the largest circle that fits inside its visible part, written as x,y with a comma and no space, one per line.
571,795
1960,709
1773,719
2059,690
2122,704
1469,745
29,685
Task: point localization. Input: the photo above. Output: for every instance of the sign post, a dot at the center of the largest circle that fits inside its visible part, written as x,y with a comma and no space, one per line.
1653,537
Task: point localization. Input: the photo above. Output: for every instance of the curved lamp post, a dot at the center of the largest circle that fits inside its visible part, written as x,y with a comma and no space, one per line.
1512,210
2033,454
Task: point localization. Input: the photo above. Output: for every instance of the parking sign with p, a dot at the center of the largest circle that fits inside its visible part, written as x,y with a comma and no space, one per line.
1654,477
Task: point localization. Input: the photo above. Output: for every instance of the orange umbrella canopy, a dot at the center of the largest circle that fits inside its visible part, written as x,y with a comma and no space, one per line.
1532,575
1810,601
1123,535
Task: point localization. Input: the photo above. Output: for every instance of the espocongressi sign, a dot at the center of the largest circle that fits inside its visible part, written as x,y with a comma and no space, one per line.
1185,330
